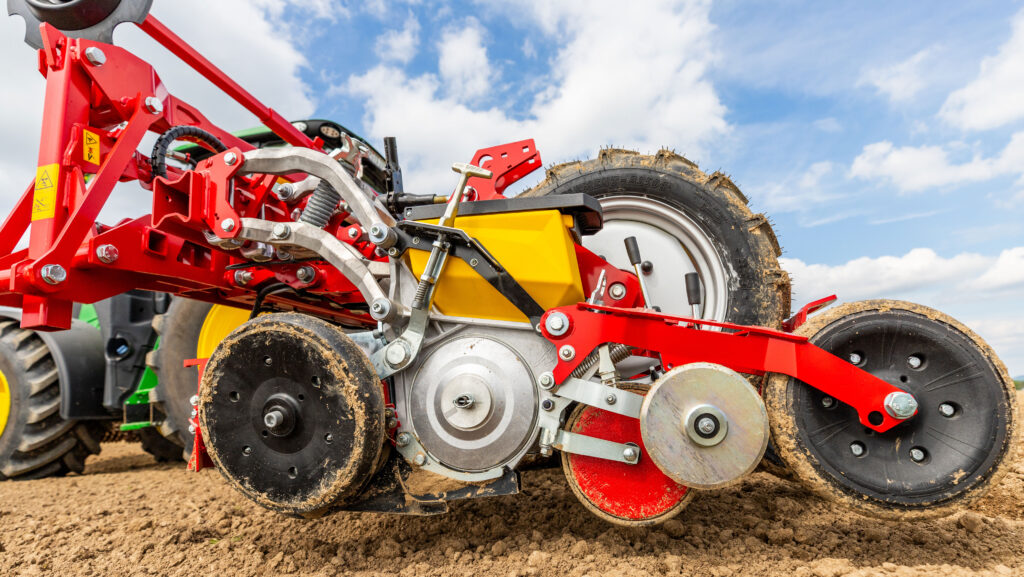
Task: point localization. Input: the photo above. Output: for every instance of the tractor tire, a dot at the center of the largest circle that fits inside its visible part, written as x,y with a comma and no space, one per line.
35,442
161,448
189,329
688,222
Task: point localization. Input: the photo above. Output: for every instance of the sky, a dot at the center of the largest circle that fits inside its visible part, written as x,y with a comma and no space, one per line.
884,140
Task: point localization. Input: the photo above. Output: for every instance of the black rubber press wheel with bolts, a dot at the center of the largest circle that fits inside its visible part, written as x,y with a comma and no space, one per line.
942,458
292,413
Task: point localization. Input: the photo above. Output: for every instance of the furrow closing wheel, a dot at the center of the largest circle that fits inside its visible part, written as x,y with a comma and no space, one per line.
692,222
943,457
35,441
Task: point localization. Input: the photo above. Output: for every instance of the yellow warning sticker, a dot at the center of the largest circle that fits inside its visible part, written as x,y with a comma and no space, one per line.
90,147
44,199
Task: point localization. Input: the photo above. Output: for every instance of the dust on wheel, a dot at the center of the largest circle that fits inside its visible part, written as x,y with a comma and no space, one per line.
685,221
945,456
35,441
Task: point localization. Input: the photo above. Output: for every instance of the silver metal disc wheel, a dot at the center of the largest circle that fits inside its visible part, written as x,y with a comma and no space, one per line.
673,243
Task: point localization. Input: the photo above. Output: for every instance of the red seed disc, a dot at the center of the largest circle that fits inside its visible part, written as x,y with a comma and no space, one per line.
632,495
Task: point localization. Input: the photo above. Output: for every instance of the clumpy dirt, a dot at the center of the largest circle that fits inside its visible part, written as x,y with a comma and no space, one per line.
128,515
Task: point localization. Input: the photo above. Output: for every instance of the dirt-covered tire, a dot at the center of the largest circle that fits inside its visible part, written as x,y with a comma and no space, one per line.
35,442
965,430
663,198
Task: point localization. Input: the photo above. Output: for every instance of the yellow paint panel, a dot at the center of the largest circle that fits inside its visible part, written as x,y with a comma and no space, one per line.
5,402
535,247
44,198
90,147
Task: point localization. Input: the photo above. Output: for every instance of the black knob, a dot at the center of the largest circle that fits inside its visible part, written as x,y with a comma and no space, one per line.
633,251
693,288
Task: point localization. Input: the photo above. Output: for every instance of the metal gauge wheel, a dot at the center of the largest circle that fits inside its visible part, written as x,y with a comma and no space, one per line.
945,456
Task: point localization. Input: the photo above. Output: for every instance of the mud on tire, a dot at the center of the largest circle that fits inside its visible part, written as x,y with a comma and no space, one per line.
36,442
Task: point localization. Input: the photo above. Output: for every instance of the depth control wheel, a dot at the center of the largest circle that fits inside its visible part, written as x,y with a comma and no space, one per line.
944,457
630,495
292,413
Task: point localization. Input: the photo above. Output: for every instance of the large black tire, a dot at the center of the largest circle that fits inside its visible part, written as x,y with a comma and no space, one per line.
179,331
752,289
36,442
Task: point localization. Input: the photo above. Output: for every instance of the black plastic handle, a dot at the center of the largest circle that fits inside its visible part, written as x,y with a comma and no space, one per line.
693,288
633,251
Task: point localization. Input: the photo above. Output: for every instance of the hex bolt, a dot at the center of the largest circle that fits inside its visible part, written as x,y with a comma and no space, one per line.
914,361
473,262
857,448
630,454
107,253
328,438
391,423
706,425
947,410
547,381
194,400
380,308
230,159
917,455
154,106
611,399
195,413
95,56
243,277
617,291
227,225
403,439
856,358
383,236
247,450
273,419
283,254
281,231
420,459
53,274
547,404
557,323
900,405
567,353
306,274
828,402
393,252
191,429
415,240
396,354
284,191
353,232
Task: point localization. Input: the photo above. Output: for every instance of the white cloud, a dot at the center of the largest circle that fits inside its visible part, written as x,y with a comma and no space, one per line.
979,290
916,168
992,99
798,192
465,70
399,45
245,39
828,124
634,78
900,82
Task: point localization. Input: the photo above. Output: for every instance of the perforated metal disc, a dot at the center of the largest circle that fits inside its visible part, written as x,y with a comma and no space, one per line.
704,425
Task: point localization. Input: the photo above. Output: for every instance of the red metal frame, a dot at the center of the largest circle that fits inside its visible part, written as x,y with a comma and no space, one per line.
751,350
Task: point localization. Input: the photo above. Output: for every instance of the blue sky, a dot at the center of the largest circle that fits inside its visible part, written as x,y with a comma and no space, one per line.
880,137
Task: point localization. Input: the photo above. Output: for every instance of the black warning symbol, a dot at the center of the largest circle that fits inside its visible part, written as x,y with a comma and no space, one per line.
44,180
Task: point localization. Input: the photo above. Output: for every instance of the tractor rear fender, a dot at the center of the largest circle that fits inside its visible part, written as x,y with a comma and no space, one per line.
78,353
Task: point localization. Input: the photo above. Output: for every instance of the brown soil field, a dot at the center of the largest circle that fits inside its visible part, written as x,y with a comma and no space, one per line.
128,515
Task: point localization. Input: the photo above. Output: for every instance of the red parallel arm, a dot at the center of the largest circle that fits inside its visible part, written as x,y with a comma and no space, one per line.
751,350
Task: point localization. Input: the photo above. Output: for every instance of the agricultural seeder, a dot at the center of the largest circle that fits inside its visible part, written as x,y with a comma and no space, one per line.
406,350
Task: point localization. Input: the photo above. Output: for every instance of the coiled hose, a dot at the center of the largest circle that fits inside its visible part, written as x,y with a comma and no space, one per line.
158,160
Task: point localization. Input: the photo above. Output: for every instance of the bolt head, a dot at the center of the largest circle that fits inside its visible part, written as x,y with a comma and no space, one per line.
547,404
611,399
473,262
53,274
566,353
281,231
243,277
857,448
917,455
630,454
557,324
195,413
900,405
547,380
306,274
828,402
272,419
191,429
856,358
95,56
194,400
284,191
914,362
403,439
328,438
353,232
230,159
947,410
706,425
107,253
227,225
420,459
396,354
154,105
617,291
247,451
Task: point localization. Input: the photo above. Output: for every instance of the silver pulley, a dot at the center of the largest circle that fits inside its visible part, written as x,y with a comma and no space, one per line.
704,426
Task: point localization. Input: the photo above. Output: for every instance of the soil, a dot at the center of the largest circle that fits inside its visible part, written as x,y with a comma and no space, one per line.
129,515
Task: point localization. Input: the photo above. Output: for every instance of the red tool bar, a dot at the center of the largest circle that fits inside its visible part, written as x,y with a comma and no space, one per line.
274,121
751,350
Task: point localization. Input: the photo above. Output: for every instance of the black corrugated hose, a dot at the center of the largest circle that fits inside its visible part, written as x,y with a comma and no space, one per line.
158,160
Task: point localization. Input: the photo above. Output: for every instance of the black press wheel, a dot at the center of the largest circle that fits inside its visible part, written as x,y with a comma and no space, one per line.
945,456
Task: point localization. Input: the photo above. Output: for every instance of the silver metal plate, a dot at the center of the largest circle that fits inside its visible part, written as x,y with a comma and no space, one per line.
670,407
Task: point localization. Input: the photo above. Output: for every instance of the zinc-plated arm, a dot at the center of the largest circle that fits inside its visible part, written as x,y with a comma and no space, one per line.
341,256
279,161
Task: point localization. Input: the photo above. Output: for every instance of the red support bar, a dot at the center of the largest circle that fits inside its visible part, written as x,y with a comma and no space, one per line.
274,121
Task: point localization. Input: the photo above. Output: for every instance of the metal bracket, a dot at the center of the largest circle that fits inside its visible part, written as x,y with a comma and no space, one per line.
577,444
626,403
